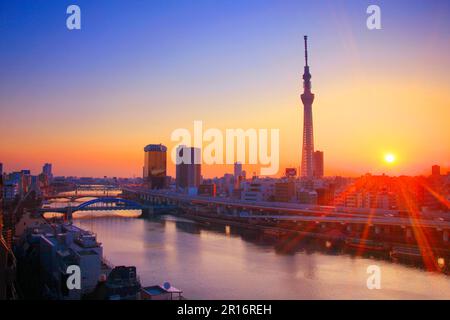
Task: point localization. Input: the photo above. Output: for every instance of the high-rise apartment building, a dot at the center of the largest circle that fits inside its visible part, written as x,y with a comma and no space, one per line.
436,170
238,175
188,167
237,170
47,170
318,164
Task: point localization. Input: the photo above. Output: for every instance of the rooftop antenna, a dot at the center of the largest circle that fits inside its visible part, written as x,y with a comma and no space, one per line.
306,49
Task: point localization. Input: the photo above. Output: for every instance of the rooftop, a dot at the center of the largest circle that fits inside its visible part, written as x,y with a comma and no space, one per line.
155,147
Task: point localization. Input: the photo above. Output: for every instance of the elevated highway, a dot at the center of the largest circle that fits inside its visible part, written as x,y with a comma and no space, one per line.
379,220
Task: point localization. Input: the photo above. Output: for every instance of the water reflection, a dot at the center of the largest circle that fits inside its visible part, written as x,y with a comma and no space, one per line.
212,261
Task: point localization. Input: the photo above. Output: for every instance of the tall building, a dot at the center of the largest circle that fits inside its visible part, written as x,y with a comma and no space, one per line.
228,184
16,185
7,259
318,164
436,170
1,169
47,170
307,97
238,176
237,170
155,166
188,168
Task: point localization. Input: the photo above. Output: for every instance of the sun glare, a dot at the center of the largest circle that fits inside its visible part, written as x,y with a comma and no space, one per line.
389,158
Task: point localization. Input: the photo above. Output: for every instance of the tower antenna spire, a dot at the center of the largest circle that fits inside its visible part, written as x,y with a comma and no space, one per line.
306,49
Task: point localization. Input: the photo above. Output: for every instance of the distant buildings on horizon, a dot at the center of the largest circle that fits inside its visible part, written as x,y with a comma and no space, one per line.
365,192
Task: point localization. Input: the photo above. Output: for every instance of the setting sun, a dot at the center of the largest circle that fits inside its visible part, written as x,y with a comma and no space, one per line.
389,158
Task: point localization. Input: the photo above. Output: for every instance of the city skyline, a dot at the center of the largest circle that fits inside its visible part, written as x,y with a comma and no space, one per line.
251,151
377,95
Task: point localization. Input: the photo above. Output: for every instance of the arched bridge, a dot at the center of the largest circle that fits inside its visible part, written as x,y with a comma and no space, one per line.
99,204
106,203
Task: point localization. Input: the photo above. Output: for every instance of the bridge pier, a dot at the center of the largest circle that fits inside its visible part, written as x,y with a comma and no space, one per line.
69,215
147,212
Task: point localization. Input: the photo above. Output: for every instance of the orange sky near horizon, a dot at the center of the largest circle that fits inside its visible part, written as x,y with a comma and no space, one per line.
355,135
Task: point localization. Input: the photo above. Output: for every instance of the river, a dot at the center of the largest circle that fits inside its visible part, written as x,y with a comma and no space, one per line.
221,262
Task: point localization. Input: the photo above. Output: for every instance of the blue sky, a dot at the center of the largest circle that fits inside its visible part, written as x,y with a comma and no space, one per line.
196,37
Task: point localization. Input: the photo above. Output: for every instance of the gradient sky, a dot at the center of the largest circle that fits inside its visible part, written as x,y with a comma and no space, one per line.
89,100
